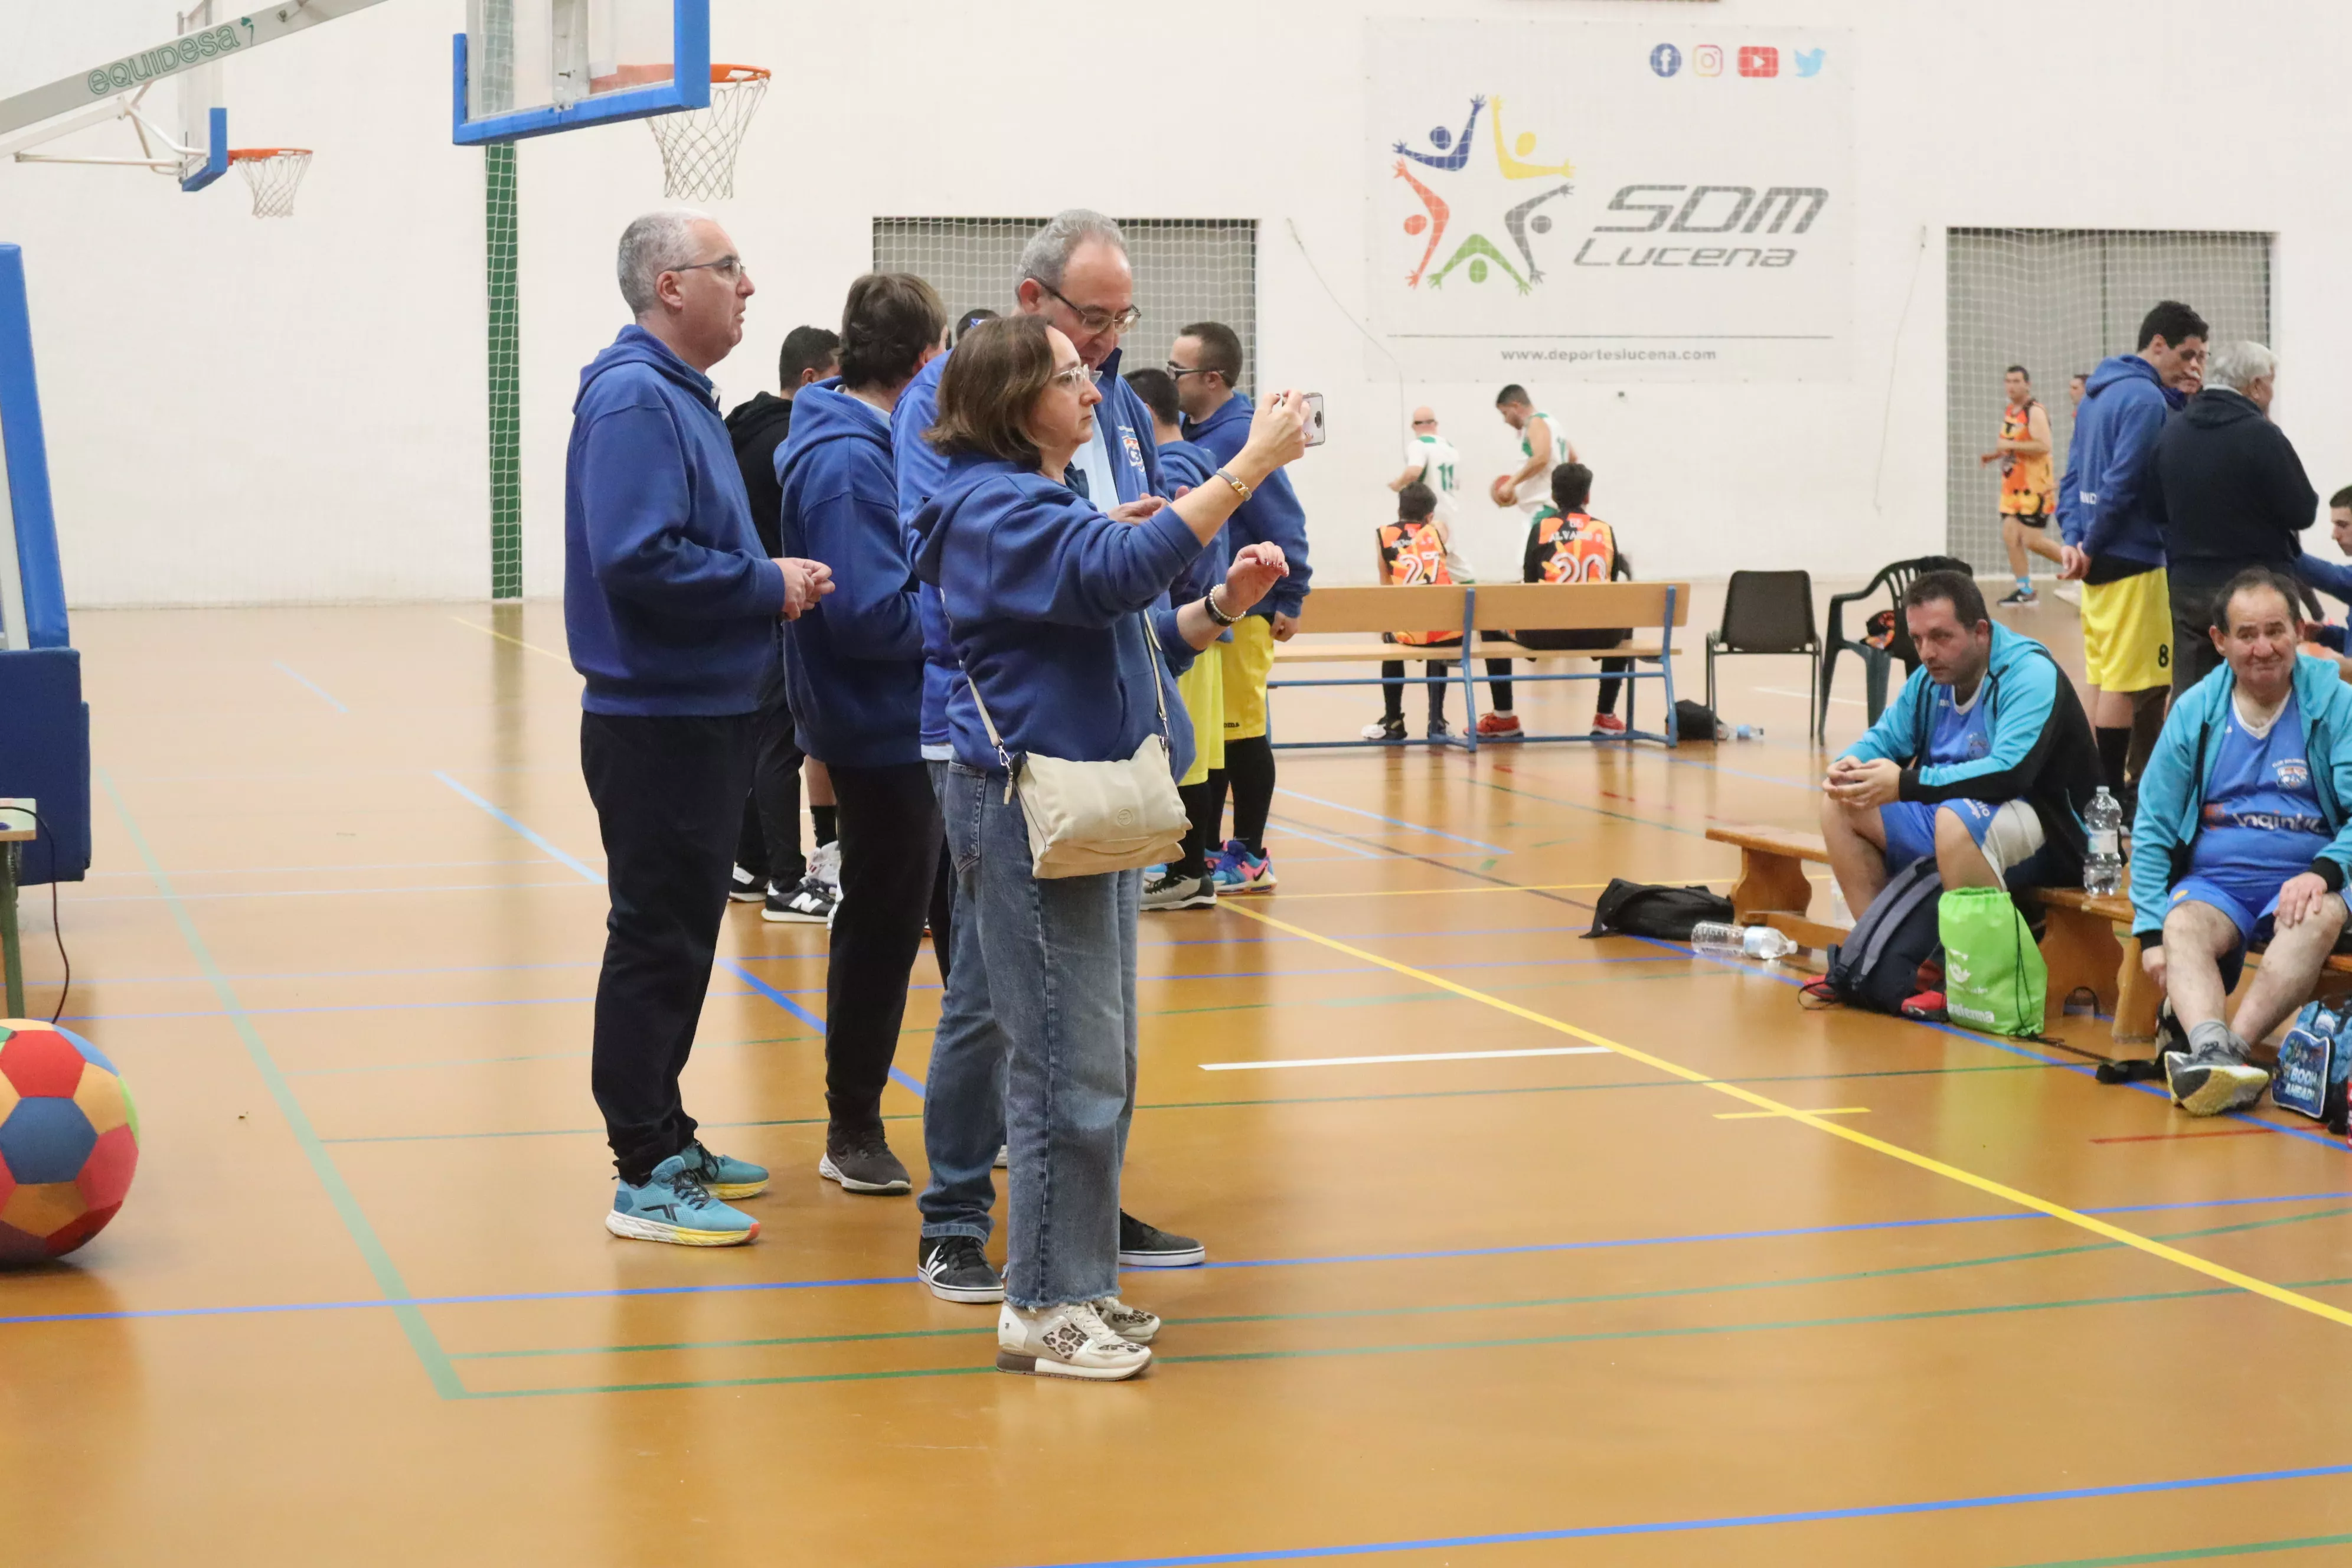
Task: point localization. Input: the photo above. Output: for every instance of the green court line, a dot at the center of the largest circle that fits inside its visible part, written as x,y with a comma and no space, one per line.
322,1164
1505,1306
1413,1347
1292,1100
2197,1553
528,1057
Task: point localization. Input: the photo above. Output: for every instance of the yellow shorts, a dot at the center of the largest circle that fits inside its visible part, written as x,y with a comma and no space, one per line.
1203,688
2127,633
1248,660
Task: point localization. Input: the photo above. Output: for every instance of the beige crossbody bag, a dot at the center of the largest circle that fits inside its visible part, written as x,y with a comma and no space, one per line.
1085,818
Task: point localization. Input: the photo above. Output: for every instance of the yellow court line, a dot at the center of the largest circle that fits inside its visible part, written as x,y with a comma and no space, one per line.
489,631
2097,1227
1760,1115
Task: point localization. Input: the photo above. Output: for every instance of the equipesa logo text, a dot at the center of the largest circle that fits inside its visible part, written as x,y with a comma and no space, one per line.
132,69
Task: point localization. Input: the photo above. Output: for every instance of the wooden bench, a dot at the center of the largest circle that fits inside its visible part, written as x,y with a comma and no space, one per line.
2137,996
1652,609
2079,944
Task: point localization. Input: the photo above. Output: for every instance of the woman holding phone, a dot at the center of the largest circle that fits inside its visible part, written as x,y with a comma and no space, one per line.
1058,613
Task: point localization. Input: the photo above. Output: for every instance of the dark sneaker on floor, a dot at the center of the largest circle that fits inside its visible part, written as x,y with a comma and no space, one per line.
860,1158
2022,596
1064,1341
2214,1078
1142,1246
1133,1324
726,1177
1383,730
810,903
671,1206
1170,891
954,1268
1439,730
746,889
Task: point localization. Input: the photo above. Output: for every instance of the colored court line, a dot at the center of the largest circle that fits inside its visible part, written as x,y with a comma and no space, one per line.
321,893
2201,1554
1396,821
492,632
1416,1057
1422,892
1437,1254
1731,1521
1763,1115
316,689
546,846
322,1164
2166,1137
1986,1184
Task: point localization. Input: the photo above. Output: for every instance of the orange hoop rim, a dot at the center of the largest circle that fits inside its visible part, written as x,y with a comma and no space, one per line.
255,155
724,74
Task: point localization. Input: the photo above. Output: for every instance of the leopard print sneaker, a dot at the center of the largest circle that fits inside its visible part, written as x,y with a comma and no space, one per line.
1065,1341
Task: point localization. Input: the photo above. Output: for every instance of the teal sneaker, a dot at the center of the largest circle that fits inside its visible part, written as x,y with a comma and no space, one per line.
722,1175
673,1206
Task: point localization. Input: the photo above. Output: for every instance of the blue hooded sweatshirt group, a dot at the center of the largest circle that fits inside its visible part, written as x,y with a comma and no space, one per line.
1050,605
2109,504
669,603
1126,423
855,659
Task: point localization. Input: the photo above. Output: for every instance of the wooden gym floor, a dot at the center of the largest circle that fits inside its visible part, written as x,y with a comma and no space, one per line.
1683,1274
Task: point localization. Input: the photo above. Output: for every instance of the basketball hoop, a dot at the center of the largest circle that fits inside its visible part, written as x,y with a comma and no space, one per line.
273,173
698,145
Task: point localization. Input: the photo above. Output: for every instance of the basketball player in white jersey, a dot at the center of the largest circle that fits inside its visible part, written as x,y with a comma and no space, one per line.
1543,446
1430,459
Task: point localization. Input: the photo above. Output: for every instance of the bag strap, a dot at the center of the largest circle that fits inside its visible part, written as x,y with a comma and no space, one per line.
1159,693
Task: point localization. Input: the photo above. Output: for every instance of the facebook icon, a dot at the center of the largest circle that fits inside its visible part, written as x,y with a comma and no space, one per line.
1666,60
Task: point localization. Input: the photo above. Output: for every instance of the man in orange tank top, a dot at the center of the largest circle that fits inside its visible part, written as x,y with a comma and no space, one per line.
1413,550
2027,501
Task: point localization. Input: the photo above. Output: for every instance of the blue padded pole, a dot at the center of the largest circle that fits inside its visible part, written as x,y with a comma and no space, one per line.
27,461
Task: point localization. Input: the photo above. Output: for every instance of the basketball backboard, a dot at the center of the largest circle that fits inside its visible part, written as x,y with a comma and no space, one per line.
529,67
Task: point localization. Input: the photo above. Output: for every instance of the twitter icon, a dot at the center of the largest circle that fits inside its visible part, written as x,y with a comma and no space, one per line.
1808,61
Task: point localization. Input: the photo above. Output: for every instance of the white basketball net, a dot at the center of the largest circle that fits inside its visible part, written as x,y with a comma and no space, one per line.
698,145
274,176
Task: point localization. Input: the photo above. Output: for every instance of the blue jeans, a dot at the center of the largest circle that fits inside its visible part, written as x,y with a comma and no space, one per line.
1052,963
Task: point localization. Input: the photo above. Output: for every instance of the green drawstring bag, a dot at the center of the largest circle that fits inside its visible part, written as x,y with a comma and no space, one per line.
1994,978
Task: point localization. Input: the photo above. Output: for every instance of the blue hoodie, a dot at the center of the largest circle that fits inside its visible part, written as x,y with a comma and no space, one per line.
1187,466
1124,421
854,663
1271,516
1046,602
2109,504
669,603
2180,769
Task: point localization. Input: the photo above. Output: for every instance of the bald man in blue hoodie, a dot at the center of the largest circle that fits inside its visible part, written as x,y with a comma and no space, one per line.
670,607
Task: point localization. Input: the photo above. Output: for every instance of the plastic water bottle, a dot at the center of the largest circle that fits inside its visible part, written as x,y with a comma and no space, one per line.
1749,732
2102,865
1719,941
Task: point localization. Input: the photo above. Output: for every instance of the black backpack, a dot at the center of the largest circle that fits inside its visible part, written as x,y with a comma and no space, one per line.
1641,909
1877,965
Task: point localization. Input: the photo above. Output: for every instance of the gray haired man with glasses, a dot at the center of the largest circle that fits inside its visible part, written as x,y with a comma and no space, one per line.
1074,272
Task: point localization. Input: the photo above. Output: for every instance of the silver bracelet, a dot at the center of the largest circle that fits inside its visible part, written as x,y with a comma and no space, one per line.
1216,614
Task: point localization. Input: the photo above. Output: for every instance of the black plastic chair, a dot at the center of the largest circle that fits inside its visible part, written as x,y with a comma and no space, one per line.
1768,613
1893,580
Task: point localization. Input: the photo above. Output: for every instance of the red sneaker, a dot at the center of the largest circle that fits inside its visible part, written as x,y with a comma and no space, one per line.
1499,727
1608,725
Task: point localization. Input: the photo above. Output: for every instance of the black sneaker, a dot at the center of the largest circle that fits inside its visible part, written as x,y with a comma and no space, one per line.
743,887
1439,730
860,1158
2022,596
954,1268
1142,1246
2213,1078
810,903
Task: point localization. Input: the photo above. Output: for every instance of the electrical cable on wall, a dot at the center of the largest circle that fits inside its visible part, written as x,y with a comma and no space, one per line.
57,925
1305,255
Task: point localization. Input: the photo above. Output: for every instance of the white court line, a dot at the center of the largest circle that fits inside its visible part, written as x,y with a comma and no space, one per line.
1425,1057
1807,696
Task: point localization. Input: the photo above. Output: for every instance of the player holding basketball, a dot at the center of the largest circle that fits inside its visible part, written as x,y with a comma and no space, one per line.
2024,454
670,607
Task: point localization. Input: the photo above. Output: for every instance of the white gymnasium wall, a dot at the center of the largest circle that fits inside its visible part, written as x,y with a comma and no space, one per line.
241,410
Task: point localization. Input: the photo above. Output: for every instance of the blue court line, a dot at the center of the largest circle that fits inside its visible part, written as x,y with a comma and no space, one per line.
335,866
899,1075
1741,773
1293,830
1722,1522
320,892
1396,821
587,873
316,689
1435,1254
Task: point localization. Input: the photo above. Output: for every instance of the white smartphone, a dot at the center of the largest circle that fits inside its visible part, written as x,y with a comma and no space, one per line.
1315,420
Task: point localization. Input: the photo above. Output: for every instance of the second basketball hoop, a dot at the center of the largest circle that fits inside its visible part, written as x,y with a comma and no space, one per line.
698,145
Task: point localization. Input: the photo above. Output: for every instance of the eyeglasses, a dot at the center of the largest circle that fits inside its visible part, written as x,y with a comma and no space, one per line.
1179,372
1094,318
1076,378
1419,423
729,267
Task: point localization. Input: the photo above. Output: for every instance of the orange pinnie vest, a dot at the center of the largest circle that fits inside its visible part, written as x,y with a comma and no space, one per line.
1415,553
